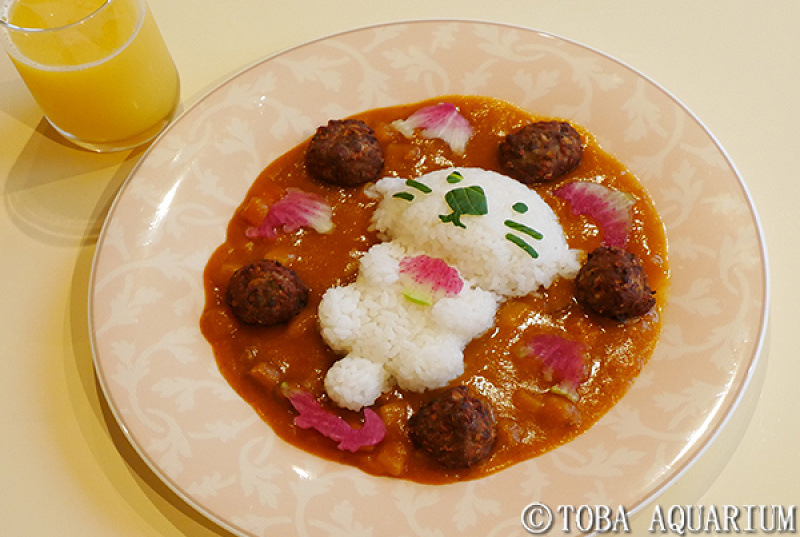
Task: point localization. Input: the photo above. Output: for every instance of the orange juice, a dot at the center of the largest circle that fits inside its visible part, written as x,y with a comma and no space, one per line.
106,81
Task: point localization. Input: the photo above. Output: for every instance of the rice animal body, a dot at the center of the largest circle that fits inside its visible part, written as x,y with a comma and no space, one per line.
389,339
503,239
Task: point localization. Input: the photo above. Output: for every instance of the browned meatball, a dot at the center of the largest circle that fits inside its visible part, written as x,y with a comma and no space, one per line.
613,284
266,293
345,153
455,429
541,152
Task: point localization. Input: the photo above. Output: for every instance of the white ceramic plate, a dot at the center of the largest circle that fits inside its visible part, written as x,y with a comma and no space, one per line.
161,380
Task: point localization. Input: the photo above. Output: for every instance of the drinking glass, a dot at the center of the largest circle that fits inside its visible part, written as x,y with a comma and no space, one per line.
99,69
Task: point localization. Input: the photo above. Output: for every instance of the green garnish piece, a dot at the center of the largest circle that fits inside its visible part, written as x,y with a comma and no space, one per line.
522,228
408,196
454,177
572,395
419,186
469,200
418,298
522,244
520,208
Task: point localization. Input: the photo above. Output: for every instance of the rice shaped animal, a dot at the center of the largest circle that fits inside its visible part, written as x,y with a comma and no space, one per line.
501,238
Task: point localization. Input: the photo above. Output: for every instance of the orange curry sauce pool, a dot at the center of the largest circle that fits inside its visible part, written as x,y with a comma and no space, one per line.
530,420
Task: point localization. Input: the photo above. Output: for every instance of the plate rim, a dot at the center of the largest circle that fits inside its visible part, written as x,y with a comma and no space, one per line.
692,456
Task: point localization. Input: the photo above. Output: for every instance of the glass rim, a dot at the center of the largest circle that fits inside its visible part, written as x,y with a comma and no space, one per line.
10,26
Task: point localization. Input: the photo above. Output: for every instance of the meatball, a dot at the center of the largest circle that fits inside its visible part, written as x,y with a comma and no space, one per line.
266,293
345,153
455,429
541,152
613,284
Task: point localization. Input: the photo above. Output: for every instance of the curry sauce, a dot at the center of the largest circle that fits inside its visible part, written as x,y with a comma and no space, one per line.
531,420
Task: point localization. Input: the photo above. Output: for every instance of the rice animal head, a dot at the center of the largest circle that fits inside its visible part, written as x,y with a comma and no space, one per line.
490,248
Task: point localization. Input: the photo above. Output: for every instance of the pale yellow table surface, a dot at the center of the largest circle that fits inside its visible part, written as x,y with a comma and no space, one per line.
66,470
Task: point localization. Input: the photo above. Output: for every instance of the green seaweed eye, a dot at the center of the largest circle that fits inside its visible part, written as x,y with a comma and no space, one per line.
422,187
454,177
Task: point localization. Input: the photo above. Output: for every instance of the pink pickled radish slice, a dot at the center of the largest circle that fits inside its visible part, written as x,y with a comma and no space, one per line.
429,278
295,210
611,209
563,360
441,121
313,416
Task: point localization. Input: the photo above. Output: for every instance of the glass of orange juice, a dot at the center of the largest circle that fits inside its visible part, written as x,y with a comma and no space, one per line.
99,69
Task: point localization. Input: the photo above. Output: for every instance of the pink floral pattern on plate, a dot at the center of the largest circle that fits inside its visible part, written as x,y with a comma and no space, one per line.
159,375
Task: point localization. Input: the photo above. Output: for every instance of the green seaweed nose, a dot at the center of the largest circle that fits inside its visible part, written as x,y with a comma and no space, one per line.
470,200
